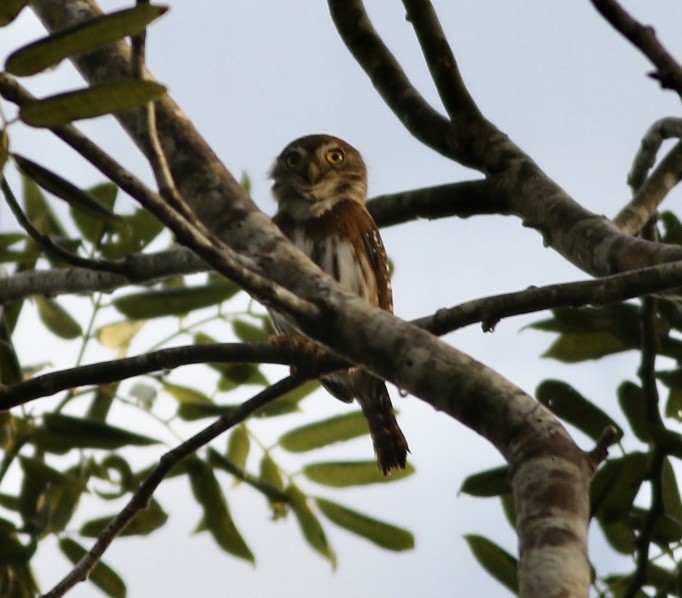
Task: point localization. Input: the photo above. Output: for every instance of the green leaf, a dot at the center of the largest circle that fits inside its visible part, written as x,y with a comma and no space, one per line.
572,407
310,524
616,483
38,470
352,473
245,182
509,508
234,375
9,239
10,369
324,432
142,524
56,319
64,501
217,516
174,301
238,446
270,474
673,229
492,482
186,395
119,335
288,403
574,348
497,562
249,333
63,189
135,232
4,147
619,318
612,493
17,581
102,401
11,549
117,472
103,576
39,211
60,433
673,380
57,492
83,37
596,332
98,100
382,534
632,402
672,504
9,9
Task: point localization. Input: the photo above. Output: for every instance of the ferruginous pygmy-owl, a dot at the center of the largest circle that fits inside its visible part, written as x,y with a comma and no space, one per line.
320,184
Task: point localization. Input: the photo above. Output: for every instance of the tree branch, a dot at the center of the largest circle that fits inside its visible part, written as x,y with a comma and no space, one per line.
165,359
669,72
141,497
609,289
388,78
139,268
649,191
464,199
589,241
441,61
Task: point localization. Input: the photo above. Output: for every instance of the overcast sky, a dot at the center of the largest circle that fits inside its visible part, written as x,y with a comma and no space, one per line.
255,75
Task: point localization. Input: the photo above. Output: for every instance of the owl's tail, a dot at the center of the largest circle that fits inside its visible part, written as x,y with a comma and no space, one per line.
389,442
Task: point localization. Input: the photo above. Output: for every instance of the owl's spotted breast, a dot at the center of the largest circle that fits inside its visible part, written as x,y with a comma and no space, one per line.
339,241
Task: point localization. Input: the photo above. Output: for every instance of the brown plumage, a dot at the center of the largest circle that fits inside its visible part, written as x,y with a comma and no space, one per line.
321,188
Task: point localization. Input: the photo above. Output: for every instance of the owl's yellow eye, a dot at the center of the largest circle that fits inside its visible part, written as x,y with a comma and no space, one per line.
292,159
335,156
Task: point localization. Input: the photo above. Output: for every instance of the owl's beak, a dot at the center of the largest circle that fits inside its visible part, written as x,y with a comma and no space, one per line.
313,172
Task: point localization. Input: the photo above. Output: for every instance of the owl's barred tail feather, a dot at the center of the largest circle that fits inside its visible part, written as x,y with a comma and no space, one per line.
389,442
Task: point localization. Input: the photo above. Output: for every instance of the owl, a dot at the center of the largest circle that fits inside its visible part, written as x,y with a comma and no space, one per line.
320,185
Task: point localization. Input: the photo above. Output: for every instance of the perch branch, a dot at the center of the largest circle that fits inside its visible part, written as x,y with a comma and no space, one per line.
165,359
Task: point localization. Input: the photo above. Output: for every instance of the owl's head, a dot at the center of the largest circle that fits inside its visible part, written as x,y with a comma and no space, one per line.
314,173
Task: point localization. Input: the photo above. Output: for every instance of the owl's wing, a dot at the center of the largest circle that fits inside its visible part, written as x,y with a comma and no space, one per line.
376,254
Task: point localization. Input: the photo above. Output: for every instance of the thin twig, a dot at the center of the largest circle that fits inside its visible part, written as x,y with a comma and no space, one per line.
141,497
441,61
51,246
669,72
609,289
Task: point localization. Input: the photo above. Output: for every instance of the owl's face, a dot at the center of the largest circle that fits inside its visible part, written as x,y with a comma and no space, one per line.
314,173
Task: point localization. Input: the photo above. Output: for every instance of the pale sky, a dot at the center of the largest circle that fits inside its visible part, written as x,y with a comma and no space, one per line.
255,75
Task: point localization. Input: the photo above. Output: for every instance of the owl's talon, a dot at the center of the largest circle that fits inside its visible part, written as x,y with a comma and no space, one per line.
296,341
